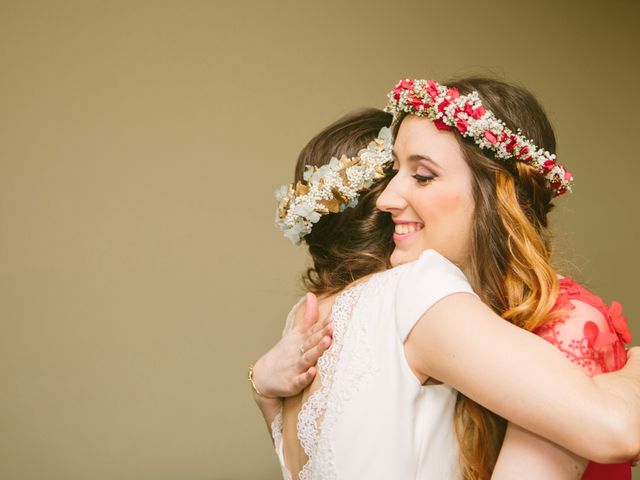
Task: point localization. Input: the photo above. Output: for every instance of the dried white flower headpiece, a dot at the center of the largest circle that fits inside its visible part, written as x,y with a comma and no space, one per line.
331,188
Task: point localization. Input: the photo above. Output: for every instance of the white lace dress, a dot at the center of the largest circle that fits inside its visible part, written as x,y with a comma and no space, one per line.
371,418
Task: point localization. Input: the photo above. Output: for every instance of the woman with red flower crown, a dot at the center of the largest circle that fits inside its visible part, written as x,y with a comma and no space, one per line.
466,186
513,179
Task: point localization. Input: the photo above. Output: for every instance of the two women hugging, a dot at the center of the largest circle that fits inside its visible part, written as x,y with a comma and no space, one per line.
437,340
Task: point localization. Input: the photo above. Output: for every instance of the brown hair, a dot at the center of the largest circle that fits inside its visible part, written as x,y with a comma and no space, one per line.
358,241
510,256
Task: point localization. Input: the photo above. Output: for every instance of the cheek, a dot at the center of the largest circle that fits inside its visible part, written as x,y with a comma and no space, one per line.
460,209
443,205
448,217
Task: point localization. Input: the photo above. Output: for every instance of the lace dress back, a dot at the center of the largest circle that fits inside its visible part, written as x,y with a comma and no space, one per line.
370,417
591,335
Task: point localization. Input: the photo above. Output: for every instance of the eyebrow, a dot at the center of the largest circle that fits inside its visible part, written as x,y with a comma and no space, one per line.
417,158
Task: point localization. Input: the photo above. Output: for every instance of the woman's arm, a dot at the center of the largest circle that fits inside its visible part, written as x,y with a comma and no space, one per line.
269,407
525,455
524,379
284,371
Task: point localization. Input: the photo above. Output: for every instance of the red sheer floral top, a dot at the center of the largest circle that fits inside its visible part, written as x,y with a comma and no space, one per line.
593,336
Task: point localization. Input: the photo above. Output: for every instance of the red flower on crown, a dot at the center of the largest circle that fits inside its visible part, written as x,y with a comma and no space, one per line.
432,89
523,151
453,93
449,109
476,113
490,136
443,105
440,125
547,166
405,84
415,102
462,125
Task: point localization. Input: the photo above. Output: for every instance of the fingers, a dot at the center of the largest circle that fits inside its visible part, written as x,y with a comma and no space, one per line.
316,337
321,323
633,360
310,312
319,332
311,356
304,379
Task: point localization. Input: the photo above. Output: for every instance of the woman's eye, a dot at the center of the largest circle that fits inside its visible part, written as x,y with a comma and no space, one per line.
423,178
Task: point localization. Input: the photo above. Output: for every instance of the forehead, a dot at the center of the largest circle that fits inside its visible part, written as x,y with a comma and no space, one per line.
420,136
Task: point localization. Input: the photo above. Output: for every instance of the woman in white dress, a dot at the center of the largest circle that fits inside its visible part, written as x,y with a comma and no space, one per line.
369,409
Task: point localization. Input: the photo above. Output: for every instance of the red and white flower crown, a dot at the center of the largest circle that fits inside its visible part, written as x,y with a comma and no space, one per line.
448,109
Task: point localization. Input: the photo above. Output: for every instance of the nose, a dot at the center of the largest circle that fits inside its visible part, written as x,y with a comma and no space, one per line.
390,199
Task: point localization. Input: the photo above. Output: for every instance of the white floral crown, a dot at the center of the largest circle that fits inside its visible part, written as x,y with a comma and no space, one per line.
331,188
448,109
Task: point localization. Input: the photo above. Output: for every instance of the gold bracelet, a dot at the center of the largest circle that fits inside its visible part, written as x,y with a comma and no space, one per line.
250,378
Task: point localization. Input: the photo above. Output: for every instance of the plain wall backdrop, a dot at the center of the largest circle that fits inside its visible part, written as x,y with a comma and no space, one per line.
140,146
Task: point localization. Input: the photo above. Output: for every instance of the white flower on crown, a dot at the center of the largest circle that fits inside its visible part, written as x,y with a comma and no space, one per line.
331,188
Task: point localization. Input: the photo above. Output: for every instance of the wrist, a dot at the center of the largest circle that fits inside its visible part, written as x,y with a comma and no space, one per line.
259,392
267,404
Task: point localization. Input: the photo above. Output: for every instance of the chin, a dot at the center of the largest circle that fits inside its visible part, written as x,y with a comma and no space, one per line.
398,257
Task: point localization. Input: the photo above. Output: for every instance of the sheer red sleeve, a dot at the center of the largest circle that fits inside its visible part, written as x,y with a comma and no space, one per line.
590,334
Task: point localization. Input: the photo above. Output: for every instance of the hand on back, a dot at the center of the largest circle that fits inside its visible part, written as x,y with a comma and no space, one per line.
290,366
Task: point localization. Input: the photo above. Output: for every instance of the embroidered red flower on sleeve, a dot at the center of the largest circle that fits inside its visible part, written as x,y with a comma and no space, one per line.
619,322
596,346
596,338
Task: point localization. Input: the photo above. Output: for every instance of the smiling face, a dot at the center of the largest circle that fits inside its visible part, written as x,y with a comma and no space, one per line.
430,198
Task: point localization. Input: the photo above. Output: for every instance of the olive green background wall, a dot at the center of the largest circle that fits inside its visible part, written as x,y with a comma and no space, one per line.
140,145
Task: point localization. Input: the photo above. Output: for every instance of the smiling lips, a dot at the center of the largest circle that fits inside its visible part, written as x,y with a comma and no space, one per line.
403,229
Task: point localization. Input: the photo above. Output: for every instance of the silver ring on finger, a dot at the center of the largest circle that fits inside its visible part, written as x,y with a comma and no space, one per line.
301,349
